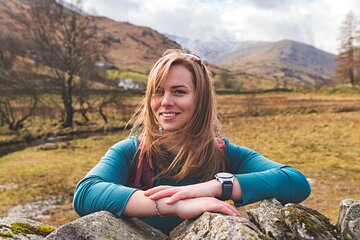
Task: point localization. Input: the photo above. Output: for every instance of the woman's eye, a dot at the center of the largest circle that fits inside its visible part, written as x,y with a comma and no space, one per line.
179,92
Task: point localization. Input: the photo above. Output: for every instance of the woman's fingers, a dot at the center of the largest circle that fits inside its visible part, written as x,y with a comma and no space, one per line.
154,190
180,196
224,208
167,192
176,194
190,208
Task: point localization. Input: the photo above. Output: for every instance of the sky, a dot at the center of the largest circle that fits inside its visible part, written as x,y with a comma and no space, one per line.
315,22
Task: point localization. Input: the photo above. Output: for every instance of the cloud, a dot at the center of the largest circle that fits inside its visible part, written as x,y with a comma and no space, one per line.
309,21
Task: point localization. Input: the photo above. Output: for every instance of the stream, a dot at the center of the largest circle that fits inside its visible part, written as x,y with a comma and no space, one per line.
6,148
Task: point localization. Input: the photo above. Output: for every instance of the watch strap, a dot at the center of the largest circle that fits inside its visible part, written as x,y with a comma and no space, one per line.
227,187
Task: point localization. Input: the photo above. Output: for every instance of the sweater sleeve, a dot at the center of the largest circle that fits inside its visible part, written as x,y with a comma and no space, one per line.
261,178
103,188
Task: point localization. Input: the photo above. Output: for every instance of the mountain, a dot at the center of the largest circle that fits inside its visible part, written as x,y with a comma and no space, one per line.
133,47
211,50
130,47
276,64
287,60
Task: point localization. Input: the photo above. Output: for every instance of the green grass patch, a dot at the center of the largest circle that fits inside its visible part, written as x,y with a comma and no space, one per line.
115,74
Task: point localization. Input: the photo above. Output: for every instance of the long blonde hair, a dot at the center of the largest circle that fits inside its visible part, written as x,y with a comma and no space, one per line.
198,155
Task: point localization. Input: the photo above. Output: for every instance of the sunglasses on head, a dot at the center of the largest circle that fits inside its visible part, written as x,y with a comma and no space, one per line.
196,58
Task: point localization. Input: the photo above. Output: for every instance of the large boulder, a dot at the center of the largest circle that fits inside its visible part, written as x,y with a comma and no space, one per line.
307,223
23,228
292,221
269,219
103,226
349,219
216,226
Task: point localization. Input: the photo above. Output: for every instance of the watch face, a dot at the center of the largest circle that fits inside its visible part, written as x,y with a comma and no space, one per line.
224,175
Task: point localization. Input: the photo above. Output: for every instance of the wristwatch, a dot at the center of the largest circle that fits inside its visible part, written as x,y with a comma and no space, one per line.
226,179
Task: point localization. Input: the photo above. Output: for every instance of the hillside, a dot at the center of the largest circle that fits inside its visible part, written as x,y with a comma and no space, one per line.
257,64
296,61
133,47
130,47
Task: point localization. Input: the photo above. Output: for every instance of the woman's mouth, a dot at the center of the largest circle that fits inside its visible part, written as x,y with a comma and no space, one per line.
168,116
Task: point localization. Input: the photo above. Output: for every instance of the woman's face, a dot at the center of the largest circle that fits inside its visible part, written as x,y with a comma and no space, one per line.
173,103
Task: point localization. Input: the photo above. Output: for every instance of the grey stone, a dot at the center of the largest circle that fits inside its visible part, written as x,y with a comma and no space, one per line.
307,223
48,146
23,228
103,226
35,210
349,219
216,226
270,221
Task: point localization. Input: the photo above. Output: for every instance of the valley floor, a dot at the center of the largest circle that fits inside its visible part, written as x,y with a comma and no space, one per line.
319,135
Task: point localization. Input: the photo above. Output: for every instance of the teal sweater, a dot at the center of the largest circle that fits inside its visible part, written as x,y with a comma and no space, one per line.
103,188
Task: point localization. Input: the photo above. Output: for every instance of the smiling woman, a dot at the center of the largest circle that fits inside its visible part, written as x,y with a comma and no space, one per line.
175,165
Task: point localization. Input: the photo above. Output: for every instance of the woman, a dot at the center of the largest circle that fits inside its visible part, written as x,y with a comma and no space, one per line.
178,145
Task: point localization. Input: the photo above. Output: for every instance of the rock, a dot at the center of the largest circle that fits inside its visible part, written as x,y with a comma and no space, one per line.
307,223
35,210
349,219
8,186
216,226
270,221
48,146
104,225
22,228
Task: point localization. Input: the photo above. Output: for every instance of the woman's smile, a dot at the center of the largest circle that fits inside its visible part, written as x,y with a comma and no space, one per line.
168,116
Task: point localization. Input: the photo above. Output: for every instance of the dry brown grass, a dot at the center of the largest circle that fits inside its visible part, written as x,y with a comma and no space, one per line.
321,142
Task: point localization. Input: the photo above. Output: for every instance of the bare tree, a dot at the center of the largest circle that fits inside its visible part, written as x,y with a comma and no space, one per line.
66,41
348,62
15,106
12,114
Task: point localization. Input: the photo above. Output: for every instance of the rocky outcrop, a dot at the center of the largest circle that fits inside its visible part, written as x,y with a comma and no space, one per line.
270,220
23,228
103,226
216,226
292,221
349,219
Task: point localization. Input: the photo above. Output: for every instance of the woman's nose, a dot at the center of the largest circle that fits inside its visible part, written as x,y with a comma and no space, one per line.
167,100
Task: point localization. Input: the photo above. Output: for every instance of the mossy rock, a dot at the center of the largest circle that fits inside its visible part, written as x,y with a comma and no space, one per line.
25,228
308,223
22,228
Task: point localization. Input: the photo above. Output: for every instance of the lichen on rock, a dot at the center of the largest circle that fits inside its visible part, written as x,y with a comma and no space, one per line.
22,228
26,228
270,221
216,226
307,223
349,219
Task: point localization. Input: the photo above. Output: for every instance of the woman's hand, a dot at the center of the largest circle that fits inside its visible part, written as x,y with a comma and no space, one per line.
191,208
206,189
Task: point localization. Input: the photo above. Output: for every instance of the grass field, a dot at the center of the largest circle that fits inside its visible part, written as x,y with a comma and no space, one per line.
318,134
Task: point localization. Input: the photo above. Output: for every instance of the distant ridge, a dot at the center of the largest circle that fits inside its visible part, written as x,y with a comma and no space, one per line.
296,63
